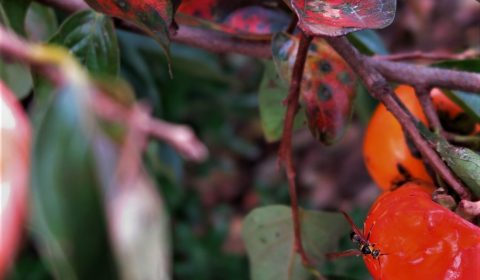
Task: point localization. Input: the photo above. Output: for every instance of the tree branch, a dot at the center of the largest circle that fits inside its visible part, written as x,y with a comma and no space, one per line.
219,42
285,151
423,94
412,74
180,137
69,6
380,89
439,55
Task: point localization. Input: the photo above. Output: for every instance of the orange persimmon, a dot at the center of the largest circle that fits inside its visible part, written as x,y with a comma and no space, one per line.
420,238
389,158
453,117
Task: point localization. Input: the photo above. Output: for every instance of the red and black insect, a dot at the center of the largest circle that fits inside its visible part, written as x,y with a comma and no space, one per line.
364,246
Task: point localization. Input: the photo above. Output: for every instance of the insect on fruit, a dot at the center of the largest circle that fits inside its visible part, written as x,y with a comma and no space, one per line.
425,240
365,247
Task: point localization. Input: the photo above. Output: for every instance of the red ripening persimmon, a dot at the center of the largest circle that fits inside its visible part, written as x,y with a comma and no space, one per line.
453,117
14,175
421,239
390,160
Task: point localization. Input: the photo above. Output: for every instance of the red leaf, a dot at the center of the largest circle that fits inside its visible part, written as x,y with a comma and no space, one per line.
204,9
255,20
153,16
232,18
14,173
328,85
338,17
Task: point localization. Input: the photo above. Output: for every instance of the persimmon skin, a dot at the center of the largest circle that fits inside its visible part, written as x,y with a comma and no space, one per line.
388,158
443,105
14,176
422,239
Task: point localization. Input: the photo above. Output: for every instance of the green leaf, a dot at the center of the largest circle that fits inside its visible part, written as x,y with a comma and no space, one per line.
68,220
17,76
464,162
16,10
90,36
365,104
272,92
469,65
269,240
368,42
41,22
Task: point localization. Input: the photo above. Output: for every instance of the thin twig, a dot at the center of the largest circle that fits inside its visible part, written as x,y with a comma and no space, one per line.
69,6
439,55
471,141
381,90
219,42
130,158
285,151
180,137
412,74
423,94
293,24
13,47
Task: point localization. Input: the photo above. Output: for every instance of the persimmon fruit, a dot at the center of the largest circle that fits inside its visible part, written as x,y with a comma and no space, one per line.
389,157
14,175
421,239
453,117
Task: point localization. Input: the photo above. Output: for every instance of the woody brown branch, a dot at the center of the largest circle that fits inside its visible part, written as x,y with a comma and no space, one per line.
378,86
218,42
285,151
423,94
439,55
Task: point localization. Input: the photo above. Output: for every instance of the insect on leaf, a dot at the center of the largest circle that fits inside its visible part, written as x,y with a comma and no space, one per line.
339,17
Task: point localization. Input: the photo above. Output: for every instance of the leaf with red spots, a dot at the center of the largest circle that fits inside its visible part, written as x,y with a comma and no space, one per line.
152,16
233,17
199,8
339,17
328,85
255,20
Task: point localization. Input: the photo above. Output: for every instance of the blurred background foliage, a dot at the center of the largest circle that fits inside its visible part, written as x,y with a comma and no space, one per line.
217,95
